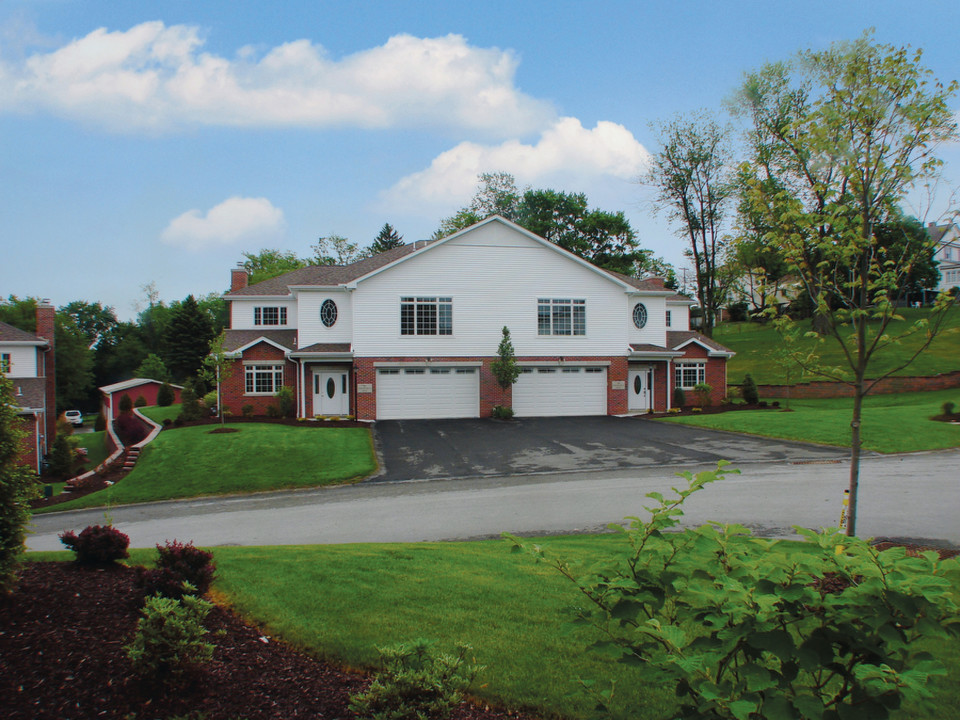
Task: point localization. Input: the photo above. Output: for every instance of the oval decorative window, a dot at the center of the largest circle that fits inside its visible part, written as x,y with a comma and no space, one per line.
328,312
639,315
637,384
331,388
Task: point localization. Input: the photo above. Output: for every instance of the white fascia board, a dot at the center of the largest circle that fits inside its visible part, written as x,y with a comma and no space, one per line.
495,218
711,352
239,350
321,356
288,296
653,355
688,301
23,343
563,363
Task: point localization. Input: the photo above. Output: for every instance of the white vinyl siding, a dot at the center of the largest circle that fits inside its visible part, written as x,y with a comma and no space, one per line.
311,329
243,314
22,361
560,390
407,393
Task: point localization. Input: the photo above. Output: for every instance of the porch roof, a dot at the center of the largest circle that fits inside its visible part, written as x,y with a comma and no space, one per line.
324,351
645,351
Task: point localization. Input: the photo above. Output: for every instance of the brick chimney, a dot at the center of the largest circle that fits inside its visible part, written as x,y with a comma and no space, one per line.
238,278
656,283
46,367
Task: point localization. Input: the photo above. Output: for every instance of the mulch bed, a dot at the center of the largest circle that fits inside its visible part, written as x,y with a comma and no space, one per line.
62,633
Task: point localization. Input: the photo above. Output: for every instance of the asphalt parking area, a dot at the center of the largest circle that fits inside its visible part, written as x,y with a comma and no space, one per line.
433,449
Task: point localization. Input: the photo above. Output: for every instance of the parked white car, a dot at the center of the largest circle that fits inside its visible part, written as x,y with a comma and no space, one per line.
74,417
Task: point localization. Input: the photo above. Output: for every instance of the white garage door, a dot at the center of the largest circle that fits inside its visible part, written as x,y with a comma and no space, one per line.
544,391
436,392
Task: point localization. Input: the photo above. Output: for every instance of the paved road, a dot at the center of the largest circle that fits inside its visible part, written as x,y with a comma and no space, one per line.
418,449
915,496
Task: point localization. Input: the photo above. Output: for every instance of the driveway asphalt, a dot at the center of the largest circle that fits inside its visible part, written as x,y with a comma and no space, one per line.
442,449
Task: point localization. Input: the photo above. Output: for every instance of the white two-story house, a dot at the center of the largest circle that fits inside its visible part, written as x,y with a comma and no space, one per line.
946,254
411,333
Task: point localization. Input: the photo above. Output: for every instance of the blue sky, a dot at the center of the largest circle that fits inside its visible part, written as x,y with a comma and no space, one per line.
155,142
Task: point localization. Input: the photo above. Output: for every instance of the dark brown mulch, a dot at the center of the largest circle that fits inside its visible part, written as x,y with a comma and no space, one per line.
222,430
62,633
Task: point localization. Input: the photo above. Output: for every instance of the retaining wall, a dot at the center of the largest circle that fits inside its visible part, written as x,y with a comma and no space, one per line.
887,386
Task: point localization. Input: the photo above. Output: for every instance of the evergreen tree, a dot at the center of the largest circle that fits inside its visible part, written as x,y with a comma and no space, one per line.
186,339
16,488
386,239
505,368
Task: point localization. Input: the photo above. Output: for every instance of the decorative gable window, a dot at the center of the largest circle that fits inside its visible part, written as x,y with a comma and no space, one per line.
269,316
557,316
689,374
5,363
263,379
639,315
426,316
328,313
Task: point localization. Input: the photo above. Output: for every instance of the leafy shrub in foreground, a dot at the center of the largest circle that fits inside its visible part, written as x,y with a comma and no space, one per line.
702,392
168,641
97,544
744,628
178,563
416,683
679,398
17,488
748,391
286,404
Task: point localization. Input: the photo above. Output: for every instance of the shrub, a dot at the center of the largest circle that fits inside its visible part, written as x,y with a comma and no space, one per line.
178,420
210,401
126,404
247,410
702,391
748,390
167,422
743,628
169,640
97,544
165,395
696,409
285,402
60,460
178,563
189,405
100,424
949,407
679,398
273,411
501,412
416,683
763,403
129,429
140,402
17,488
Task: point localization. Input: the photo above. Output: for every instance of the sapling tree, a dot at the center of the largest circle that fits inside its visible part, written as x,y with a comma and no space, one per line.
839,138
217,369
744,628
505,368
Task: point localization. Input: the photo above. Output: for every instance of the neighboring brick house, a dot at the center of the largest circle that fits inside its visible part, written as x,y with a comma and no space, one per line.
412,332
111,395
947,254
27,359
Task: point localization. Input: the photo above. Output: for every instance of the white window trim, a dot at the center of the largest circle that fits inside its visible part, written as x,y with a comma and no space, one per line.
282,315
249,370
572,303
423,299
680,365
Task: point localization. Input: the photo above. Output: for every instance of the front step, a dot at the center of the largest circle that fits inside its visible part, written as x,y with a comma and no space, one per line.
133,454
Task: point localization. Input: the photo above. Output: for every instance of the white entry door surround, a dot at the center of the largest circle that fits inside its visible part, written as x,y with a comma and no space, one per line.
331,392
640,388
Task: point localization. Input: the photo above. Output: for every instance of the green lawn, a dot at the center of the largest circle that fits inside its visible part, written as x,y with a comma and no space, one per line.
96,448
757,344
192,461
891,423
159,414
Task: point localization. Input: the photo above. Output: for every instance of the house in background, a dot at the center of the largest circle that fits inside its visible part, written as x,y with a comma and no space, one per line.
412,333
947,254
27,359
111,395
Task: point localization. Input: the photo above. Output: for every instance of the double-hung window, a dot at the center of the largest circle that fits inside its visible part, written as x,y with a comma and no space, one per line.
689,374
263,379
270,316
5,363
559,316
426,316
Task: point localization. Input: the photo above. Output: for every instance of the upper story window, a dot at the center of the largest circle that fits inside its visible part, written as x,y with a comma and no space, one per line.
269,316
639,315
328,312
669,318
5,363
556,316
426,316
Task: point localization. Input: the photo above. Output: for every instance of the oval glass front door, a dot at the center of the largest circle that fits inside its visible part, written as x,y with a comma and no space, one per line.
637,384
331,388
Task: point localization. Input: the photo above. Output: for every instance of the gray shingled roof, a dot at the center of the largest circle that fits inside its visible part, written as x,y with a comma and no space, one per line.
326,348
29,392
235,339
676,338
326,275
9,333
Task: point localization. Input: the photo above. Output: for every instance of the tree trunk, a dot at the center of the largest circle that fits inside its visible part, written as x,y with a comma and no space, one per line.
855,457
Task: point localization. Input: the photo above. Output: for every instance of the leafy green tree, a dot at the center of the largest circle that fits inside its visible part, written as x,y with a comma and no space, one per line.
839,138
186,339
692,177
268,263
217,369
92,319
907,237
153,367
216,309
152,320
335,250
118,354
74,361
21,314
463,219
17,488
505,368
386,239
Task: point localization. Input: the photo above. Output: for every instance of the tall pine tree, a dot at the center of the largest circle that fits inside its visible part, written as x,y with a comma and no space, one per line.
186,339
386,239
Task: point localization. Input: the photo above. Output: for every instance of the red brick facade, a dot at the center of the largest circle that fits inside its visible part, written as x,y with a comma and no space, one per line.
234,387
148,391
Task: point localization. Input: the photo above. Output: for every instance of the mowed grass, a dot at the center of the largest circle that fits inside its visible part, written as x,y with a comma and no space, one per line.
757,345
194,461
159,414
340,602
96,448
891,423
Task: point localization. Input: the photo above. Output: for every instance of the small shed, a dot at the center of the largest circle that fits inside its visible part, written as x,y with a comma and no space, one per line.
110,395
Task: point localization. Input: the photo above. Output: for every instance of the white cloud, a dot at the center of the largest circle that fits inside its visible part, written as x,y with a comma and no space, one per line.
233,221
157,77
565,153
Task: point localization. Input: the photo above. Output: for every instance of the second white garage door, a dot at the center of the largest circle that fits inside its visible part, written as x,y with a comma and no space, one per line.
546,391
437,392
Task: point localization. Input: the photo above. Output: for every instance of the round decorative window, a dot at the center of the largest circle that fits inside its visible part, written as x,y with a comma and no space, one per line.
328,313
639,315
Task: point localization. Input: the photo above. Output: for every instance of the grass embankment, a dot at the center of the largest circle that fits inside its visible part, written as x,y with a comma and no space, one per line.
757,345
195,461
159,414
891,423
